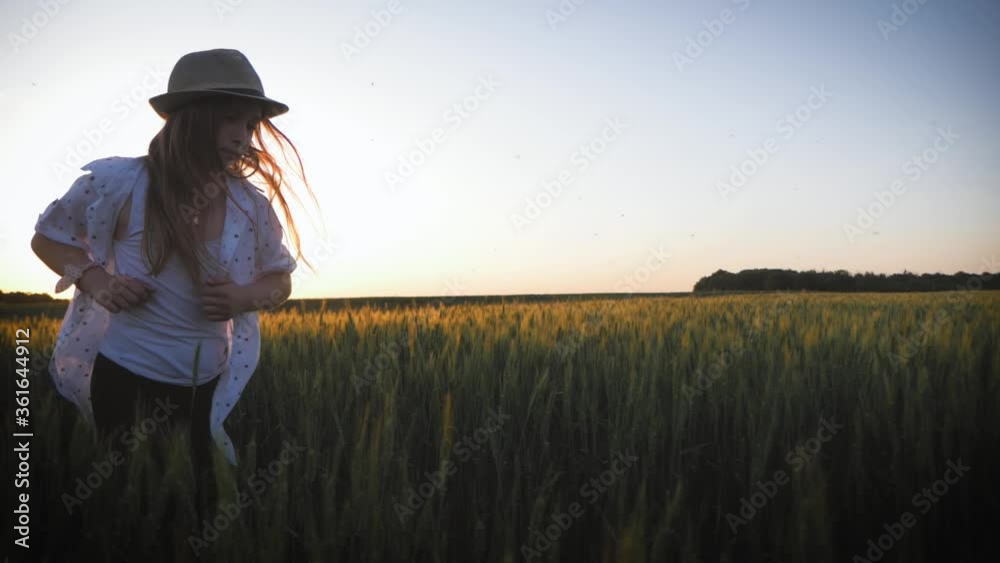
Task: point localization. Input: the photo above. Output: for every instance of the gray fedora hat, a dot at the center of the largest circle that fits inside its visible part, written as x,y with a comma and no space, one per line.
212,73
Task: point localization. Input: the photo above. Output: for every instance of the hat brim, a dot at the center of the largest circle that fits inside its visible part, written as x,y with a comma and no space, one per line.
164,104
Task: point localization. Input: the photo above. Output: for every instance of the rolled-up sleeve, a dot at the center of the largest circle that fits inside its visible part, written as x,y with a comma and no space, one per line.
65,219
272,254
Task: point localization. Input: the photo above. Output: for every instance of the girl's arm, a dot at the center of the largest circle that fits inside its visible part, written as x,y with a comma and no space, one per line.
57,255
112,292
268,292
271,289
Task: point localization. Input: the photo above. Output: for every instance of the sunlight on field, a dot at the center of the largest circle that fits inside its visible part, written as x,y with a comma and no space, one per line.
605,429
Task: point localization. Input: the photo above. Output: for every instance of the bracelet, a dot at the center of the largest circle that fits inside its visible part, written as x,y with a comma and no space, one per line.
74,273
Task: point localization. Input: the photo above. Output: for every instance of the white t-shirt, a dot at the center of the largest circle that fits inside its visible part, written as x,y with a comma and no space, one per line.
157,338
251,246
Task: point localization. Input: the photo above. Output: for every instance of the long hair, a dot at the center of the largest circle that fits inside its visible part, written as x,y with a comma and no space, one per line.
183,167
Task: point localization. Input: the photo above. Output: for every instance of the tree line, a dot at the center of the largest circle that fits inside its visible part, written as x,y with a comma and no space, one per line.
765,279
22,297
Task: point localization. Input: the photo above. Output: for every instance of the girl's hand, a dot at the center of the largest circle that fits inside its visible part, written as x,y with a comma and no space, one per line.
114,293
221,299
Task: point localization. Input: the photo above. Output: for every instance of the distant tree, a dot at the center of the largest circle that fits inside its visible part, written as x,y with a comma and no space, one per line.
766,279
21,297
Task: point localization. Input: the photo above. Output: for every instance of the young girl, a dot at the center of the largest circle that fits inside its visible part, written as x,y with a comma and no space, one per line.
172,253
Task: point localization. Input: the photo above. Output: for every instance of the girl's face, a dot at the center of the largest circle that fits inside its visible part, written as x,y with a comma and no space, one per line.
239,120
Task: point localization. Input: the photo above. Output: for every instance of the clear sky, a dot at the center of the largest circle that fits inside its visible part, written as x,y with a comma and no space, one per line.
646,110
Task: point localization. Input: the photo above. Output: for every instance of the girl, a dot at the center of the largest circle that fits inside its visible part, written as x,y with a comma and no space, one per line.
172,253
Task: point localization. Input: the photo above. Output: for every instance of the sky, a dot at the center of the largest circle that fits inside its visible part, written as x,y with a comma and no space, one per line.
460,147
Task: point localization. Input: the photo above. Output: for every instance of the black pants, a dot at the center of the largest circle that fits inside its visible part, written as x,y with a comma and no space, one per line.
128,407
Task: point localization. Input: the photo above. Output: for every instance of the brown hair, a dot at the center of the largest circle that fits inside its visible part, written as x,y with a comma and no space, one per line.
183,161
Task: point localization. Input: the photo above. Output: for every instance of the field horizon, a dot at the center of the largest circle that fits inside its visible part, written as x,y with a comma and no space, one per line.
789,426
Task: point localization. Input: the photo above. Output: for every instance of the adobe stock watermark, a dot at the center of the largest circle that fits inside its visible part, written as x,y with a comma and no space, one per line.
562,521
727,357
201,196
925,499
959,298
913,168
363,36
383,361
415,499
452,288
797,458
32,26
571,342
224,7
131,438
152,82
787,126
391,350
562,13
704,39
41,361
583,157
256,482
288,123
456,115
323,251
900,15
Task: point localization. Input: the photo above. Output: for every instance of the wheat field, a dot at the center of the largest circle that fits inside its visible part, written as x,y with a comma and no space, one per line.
770,427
